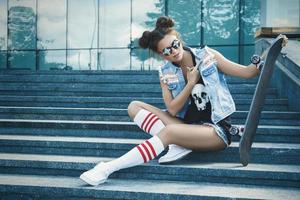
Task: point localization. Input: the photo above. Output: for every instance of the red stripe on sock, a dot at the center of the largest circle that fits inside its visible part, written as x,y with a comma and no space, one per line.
151,147
150,127
142,126
142,153
148,123
147,151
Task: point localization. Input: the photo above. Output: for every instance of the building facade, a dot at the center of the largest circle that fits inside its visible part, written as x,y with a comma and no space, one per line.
103,34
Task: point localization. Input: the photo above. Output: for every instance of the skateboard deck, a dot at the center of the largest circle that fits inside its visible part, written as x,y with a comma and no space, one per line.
257,103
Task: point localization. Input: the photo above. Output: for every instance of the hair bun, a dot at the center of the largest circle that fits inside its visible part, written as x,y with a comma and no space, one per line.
145,39
164,22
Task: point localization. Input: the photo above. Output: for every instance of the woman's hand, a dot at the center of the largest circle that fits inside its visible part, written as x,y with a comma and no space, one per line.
192,75
285,40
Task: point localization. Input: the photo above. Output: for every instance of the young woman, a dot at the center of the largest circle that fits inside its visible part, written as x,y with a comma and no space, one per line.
199,104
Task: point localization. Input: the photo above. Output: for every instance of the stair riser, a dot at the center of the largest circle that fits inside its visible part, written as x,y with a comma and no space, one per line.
261,136
85,129
110,87
109,94
111,78
262,155
123,112
121,100
37,193
127,119
170,174
117,105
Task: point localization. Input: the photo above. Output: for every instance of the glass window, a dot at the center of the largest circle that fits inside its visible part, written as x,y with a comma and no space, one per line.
22,59
114,23
248,51
220,22
3,25
22,24
230,53
51,24
82,24
187,18
82,60
145,60
114,59
144,16
3,60
52,60
250,20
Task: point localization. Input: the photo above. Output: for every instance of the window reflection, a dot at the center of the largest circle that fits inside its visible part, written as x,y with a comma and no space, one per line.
52,60
3,59
187,19
250,20
145,60
248,51
103,34
114,59
3,25
114,23
82,24
51,24
82,60
21,59
22,24
230,53
220,21
144,15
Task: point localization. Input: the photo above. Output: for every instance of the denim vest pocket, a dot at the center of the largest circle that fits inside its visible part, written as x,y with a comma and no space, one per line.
172,86
208,71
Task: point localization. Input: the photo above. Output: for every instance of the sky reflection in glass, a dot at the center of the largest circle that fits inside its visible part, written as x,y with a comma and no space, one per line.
103,34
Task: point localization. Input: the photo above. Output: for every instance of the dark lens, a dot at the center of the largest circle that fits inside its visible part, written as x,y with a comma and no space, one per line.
167,51
176,44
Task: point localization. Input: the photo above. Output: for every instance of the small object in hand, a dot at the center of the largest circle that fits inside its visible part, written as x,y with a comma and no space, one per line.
190,69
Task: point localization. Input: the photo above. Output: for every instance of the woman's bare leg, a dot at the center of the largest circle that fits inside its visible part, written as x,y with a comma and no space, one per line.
196,137
135,106
140,111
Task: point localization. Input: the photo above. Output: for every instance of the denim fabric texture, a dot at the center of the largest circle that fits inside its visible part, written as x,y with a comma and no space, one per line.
221,100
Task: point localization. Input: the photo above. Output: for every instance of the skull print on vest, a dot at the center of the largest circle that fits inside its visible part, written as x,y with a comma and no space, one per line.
199,94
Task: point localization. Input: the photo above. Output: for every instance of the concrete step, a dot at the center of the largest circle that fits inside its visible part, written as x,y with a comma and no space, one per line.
98,78
234,173
280,153
265,133
72,188
115,102
80,89
112,114
271,95
109,87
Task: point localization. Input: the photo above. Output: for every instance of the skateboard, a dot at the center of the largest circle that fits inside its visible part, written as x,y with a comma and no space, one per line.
257,103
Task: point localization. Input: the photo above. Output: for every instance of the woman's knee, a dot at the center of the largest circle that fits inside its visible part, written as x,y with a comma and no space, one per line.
168,134
133,108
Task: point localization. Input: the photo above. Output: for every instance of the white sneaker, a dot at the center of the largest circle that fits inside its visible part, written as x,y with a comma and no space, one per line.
97,175
175,153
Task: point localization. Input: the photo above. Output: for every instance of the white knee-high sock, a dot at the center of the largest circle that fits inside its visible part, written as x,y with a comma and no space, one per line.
142,153
148,121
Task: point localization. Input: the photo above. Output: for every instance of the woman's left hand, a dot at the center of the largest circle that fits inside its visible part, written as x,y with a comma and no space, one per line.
285,40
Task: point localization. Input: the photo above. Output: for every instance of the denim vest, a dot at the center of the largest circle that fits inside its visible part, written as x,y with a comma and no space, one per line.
214,80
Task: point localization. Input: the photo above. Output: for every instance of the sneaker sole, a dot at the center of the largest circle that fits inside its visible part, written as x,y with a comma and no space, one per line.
89,181
176,158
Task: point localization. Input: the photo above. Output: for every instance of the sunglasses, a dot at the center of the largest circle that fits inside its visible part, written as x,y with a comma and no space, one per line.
168,50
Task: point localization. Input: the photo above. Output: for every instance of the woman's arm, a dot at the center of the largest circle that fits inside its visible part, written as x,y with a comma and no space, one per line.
176,104
235,69
232,68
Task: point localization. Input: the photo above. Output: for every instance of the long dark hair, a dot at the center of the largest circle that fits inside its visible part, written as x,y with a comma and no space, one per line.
164,26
